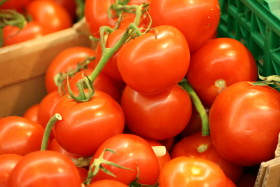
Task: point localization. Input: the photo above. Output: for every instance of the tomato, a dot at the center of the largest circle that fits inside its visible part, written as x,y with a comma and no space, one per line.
131,151
46,107
200,146
107,182
245,123
197,20
161,159
65,60
217,64
102,82
14,35
7,164
19,135
159,116
85,125
52,16
192,172
155,61
46,168
230,183
15,4
32,113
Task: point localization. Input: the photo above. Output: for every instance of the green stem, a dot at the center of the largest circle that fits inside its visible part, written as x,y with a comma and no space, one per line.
48,130
198,105
2,2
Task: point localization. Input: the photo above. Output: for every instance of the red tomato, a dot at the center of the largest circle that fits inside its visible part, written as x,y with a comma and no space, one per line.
15,4
131,151
230,183
223,61
7,164
52,16
14,35
102,82
197,20
161,159
46,107
32,113
47,168
245,123
191,172
19,135
65,60
103,183
155,61
200,146
86,125
158,117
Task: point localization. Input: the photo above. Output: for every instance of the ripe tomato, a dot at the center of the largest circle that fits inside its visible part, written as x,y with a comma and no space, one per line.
200,146
107,182
131,151
86,125
159,116
7,164
15,5
52,16
102,82
19,135
14,35
65,60
197,20
217,64
191,172
155,61
245,123
48,168
46,107
32,113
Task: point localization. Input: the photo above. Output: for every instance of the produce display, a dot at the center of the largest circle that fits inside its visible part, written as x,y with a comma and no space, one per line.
158,99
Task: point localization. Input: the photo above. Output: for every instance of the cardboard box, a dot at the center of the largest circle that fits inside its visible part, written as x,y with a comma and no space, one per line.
23,67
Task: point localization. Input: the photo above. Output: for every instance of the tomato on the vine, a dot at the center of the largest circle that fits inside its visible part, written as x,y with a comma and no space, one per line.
154,61
245,123
197,20
48,168
217,64
86,125
159,116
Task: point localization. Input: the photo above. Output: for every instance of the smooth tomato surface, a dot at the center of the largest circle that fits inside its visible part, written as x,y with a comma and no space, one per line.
197,20
159,116
32,113
131,151
192,172
107,182
19,135
245,123
15,4
219,63
46,168
86,125
155,61
65,60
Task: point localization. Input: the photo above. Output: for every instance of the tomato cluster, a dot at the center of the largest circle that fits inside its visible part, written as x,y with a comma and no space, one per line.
161,101
38,18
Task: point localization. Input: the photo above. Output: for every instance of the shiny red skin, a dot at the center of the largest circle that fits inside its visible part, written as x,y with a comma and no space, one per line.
197,20
107,182
245,123
19,135
32,113
86,125
155,61
220,59
7,164
45,167
159,116
131,151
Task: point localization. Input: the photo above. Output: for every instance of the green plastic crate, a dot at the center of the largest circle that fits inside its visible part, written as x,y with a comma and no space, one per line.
256,23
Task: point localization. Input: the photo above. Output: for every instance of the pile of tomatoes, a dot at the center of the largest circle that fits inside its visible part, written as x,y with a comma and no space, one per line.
29,19
161,101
